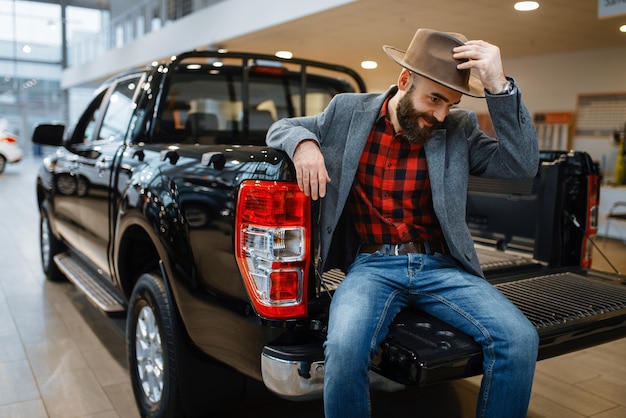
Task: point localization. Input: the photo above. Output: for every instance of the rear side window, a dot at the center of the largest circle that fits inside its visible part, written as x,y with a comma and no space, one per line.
204,104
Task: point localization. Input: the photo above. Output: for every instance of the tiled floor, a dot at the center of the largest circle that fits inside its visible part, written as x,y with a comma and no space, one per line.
59,357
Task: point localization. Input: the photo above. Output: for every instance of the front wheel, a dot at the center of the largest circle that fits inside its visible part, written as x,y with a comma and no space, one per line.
150,336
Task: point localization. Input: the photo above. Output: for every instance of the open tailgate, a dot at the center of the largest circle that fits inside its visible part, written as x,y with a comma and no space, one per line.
570,310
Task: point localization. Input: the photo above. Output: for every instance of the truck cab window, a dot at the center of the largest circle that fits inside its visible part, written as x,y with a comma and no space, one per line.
119,111
206,105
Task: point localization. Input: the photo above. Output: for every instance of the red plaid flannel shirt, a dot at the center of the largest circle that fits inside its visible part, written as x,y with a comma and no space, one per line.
391,200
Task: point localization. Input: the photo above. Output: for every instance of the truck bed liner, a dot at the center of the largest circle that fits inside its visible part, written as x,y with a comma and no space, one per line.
555,300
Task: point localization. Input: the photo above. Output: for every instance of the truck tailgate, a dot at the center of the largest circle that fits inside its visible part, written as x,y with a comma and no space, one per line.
570,310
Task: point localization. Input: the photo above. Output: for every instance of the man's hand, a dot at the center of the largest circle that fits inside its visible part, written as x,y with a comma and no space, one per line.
485,59
310,169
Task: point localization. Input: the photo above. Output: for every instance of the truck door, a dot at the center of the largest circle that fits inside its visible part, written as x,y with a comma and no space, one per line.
67,184
95,168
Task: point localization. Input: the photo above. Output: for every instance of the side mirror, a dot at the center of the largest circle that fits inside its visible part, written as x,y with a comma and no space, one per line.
49,134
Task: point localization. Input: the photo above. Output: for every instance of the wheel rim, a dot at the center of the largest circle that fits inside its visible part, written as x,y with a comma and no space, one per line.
45,242
149,355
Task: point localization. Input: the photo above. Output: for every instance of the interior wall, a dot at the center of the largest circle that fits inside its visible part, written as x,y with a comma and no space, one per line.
551,83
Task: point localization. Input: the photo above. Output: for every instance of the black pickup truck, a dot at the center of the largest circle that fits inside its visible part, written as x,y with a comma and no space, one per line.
164,204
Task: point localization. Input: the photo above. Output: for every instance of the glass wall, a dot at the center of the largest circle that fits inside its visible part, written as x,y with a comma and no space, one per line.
30,58
86,34
39,39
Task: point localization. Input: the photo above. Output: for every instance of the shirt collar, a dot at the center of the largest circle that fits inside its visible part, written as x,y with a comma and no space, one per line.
384,112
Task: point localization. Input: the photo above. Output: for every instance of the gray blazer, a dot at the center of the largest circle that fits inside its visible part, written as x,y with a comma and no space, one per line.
453,153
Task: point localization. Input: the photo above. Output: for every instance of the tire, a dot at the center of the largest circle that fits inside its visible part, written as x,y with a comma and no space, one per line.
3,163
151,341
185,382
49,246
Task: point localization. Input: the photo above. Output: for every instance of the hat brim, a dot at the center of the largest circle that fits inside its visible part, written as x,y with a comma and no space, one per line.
476,88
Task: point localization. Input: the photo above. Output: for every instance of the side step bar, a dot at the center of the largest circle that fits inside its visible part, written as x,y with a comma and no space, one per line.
96,292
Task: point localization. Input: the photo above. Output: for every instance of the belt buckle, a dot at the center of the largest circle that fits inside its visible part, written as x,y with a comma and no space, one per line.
396,249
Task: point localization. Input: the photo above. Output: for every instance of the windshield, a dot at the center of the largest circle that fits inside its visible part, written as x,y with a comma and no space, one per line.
205,105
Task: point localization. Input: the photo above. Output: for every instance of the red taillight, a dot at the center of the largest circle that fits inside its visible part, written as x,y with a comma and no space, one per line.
593,203
9,139
272,246
284,285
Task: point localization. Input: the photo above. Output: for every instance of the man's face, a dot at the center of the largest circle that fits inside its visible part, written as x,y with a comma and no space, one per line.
423,108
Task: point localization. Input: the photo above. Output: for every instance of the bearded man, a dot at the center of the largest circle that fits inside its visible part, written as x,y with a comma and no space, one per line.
392,171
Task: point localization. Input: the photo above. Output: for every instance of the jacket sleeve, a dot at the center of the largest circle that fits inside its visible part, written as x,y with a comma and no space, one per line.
515,152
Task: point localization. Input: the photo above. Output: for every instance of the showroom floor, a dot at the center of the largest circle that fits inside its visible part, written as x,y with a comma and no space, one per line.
59,357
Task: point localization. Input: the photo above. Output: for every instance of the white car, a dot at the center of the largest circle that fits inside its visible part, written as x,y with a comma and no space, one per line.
10,151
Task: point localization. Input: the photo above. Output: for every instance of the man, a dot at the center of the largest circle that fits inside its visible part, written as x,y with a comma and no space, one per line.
399,164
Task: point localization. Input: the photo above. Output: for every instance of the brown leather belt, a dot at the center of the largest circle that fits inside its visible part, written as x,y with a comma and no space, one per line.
418,247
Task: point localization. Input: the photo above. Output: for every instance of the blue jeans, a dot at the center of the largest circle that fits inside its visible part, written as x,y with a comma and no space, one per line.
378,286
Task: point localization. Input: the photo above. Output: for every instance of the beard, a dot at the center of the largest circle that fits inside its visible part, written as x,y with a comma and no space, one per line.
408,118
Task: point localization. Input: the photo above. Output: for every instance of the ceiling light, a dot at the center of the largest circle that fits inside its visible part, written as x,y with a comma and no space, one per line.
369,65
622,28
284,54
525,6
